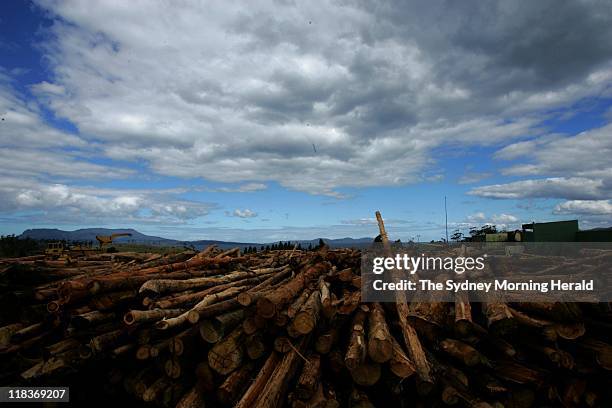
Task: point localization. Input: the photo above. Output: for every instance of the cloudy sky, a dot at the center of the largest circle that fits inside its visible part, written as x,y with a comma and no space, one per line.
294,120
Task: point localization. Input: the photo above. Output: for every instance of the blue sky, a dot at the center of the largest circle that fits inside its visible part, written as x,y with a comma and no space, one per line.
290,121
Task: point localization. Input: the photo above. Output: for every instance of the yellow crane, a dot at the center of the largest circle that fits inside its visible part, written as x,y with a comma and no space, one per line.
108,239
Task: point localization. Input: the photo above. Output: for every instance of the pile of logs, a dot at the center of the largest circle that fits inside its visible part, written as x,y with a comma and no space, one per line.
285,328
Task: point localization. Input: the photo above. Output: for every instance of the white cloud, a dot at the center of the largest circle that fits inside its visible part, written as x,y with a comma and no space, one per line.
246,213
360,221
61,203
45,87
585,207
556,187
22,125
474,177
504,219
30,162
478,219
243,188
360,97
581,166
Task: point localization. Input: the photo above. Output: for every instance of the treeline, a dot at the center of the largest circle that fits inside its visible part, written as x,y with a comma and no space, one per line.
282,246
12,246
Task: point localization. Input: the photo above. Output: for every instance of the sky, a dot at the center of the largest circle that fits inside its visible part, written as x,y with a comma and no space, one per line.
287,120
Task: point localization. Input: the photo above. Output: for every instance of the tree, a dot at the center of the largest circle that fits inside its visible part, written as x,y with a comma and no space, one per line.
457,236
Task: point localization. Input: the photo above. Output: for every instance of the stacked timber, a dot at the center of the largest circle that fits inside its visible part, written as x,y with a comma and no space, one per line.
221,328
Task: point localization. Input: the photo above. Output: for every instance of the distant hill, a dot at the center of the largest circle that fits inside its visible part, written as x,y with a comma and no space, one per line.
89,234
338,242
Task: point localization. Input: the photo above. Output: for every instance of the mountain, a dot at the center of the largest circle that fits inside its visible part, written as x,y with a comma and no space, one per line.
89,234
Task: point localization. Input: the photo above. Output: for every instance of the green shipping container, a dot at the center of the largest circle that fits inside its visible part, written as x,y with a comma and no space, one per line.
557,231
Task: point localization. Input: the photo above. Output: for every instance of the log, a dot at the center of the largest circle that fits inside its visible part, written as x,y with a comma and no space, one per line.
297,304
255,346
144,316
195,313
602,350
428,318
92,318
328,338
61,346
366,374
250,396
306,319
309,380
7,332
112,300
226,355
159,286
183,341
157,348
268,305
400,364
235,384
276,387
415,349
282,344
461,351
247,298
106,340
380,344
463,314
499,317
212,330
518,373
359,399
191,263
156,389
472,353
356,351
327,300
218,308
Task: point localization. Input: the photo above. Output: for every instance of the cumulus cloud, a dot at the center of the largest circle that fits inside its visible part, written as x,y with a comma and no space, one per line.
581,164
556,187
358,97
503,218
480,218
477,217
246,213
585,207
62,203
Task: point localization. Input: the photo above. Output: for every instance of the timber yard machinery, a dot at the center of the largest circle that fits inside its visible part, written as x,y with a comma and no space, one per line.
108,239
54,249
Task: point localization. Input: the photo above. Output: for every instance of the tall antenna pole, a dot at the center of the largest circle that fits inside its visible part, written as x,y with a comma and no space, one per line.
446,219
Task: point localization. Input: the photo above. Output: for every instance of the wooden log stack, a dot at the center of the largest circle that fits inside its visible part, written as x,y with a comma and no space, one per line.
285,328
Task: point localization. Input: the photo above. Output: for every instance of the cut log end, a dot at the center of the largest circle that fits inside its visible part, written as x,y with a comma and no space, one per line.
266,308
